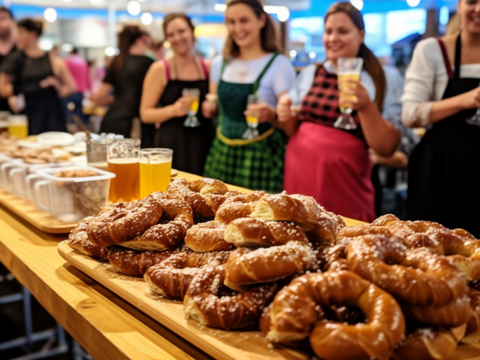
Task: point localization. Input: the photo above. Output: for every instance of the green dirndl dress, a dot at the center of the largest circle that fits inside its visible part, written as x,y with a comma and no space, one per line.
256,165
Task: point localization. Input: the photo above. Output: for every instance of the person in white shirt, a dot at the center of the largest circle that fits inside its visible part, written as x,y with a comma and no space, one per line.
443,168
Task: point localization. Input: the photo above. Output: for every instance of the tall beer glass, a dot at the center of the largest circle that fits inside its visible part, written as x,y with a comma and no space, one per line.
155,170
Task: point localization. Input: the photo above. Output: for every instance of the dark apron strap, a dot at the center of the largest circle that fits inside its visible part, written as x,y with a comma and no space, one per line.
446,60
256,84
458,56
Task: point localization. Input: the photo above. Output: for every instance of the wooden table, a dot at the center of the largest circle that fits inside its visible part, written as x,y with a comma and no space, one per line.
105,325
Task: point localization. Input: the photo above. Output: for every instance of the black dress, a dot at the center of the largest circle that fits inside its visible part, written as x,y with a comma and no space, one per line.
4,101
44,108
444,168
190,145
128,91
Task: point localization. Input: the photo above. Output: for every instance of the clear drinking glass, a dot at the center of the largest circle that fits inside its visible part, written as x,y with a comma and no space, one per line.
124,161
252,120
155,170
475,119
194,95
97,153
18,126
347,69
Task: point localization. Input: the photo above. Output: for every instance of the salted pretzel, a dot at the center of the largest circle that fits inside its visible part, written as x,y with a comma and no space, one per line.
460,246
472,334
347,234
332,258
192,191
249,267
171,278
209,236
254,233
79,241
125,221
204,304
302,210
136,263
294,312
429,344
415,276
167,235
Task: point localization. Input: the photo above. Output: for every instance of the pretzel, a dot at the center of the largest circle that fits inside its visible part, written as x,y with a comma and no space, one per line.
472,334
79,241
303,210
203,304
135,263
125,221
333,258
192,191
166,236
238,206
252,232
172,277
294,312
347,234
207,236
416,276
429,344
454,314
247,267
460,246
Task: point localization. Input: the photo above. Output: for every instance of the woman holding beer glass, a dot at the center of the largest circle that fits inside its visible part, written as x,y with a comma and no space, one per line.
172,90
443,170
42,78
250,71
325,158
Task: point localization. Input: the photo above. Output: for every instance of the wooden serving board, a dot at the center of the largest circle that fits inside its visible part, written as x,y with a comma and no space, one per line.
38,218
231,345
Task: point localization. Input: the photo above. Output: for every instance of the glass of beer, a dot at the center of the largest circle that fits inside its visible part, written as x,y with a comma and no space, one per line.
252,120
97,153
124,161
194,101
18,126
155,170
347,69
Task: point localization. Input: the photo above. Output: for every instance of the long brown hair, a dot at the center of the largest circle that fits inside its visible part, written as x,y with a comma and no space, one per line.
268,34
170,17
126,38
370,61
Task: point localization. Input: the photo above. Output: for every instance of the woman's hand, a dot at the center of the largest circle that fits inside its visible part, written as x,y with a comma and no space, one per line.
51,81
263,112
209,106
286,111
181,107
471,99
354,95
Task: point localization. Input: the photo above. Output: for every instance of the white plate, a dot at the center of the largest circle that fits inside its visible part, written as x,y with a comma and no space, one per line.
79,160
31,145
56,138
77,148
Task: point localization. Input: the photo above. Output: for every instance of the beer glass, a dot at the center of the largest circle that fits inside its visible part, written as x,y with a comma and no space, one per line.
97,153
194,96
475,119
124,162
155,170
18,126
252,120
347,69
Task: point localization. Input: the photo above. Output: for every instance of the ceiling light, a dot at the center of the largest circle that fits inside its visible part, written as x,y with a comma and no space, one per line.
110,51
96,2
134,8
220,7
293,53
146,19
312,55
50,14
46,45
67,47
413,3
358,4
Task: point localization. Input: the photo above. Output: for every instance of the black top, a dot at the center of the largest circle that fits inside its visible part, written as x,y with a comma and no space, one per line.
3,101
44,108
128,91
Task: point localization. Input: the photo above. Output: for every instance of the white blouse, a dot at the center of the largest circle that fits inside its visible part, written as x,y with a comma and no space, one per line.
426,80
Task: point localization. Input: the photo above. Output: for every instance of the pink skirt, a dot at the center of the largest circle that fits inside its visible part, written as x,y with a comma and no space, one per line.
334,167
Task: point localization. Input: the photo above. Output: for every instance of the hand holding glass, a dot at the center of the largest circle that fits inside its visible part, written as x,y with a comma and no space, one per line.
347,69
475,119
252,120
194,97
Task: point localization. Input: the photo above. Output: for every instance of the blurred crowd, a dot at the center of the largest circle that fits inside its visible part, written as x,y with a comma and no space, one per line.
249,119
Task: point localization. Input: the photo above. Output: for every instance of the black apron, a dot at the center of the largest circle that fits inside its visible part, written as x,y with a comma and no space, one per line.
444,169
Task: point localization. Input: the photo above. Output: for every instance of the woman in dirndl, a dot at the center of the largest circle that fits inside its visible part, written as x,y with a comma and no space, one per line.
443,181
250,65
329,162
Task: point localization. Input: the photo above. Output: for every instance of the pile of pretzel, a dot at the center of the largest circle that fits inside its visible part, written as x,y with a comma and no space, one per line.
392,289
